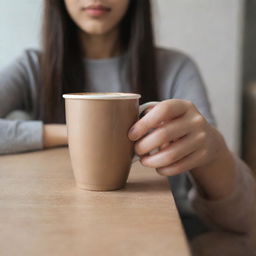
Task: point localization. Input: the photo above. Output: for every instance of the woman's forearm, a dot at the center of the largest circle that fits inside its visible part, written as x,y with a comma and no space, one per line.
55,135
217,180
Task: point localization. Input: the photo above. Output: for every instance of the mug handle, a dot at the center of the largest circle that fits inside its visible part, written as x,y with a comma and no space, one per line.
142,108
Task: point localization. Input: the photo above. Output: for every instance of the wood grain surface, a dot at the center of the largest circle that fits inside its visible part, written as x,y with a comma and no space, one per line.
43,213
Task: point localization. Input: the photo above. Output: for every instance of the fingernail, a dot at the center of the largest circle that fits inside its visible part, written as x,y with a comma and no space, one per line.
132,134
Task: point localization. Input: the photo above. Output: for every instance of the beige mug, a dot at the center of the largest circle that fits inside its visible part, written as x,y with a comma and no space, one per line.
100,150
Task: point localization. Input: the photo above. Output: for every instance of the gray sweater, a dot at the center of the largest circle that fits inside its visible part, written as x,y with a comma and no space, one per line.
18,82
179,78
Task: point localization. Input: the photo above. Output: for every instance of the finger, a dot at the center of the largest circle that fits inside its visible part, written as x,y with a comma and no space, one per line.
146,111
173,153
186,164
157,149
165,110
170,131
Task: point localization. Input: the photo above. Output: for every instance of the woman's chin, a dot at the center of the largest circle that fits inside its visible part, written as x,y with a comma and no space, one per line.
95,31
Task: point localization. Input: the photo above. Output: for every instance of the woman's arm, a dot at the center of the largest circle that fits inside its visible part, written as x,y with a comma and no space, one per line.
17,135
218,178
235,212
187,142
18,83
224,188
54,135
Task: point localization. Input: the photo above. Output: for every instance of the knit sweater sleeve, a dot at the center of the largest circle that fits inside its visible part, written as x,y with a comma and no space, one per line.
17,135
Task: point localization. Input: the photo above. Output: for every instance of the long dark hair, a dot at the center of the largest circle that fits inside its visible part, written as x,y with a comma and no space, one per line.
62,67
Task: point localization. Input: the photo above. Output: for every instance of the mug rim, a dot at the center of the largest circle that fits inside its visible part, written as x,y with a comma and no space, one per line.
101,95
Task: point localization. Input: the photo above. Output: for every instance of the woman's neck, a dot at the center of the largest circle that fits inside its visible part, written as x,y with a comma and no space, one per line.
100,46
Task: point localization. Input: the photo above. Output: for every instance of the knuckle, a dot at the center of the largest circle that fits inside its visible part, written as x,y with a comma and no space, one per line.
199,121
202,137
164,134
189,103
173,157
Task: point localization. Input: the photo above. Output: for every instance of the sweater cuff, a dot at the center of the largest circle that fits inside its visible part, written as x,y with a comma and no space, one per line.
20,136
33,135
234,212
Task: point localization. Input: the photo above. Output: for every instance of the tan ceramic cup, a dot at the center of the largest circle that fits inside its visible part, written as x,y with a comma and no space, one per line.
100,150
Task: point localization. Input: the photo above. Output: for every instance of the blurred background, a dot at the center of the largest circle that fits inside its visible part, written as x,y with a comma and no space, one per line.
219,35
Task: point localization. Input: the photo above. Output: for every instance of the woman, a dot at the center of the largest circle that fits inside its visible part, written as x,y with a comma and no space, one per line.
107,45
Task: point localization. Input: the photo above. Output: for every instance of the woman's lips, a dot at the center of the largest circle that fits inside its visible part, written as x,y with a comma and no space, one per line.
96,11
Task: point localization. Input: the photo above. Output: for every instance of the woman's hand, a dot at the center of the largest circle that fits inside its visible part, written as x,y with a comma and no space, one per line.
184,137
186,141
55,135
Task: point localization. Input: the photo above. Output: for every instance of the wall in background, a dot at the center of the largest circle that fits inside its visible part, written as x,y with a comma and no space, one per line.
208,30
20,24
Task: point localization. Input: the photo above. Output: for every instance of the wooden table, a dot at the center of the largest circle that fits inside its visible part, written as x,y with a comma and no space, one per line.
43,213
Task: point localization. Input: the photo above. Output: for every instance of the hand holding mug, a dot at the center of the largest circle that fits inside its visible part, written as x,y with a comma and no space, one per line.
184,138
